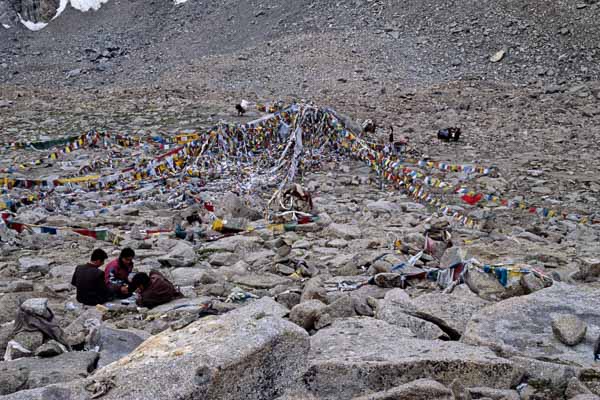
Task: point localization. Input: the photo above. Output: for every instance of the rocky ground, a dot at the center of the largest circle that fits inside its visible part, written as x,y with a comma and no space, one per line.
298,325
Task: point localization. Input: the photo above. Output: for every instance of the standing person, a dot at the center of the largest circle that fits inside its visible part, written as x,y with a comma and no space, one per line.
89,280
116,274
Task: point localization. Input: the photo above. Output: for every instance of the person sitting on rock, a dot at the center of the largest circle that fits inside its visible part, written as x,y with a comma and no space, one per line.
154,289
89,280
116,274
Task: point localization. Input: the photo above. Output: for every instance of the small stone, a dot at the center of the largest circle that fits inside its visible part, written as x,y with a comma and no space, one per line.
498,56
283,269
531,283
306,314
50,349
569,329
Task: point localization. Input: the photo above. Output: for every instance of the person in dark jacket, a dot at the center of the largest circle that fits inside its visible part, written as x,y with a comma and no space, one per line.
116,274
89,280
154,289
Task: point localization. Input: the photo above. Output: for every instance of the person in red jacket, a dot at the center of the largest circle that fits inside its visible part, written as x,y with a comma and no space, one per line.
116,274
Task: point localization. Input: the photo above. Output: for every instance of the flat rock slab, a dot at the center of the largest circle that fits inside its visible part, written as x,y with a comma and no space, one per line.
358,356
235,244
523,325
260,281
453,309
183,304
29,373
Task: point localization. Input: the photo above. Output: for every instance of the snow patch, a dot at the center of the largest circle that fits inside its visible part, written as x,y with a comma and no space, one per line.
32,26
87,5
6,26
180,1
63,5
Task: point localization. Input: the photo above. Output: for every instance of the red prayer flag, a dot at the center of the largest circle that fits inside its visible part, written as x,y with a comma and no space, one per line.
472,200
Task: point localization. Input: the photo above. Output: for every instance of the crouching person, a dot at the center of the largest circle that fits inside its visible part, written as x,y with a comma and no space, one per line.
154,289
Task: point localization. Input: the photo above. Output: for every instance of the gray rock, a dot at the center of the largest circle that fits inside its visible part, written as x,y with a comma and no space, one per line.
569,329
382,206
187,276
288,299
575,388
235,244
18,286
421,389
525,324
459,391
50,349
589,268
453,256
233,206
182,255
494,394
546,374
260,281
36,306
29,340
343,307
116,344
240,355
15,350
183,304
265,306
32,264
223,258
531,283
10,302
455,311
38,372
63,272
483,284
393,310
357,356
342,231
307,313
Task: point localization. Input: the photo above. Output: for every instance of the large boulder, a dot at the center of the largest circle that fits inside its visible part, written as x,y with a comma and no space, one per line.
395,309
248,353
245,354
523,325
358,356
452,310
29,373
